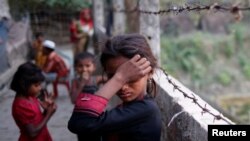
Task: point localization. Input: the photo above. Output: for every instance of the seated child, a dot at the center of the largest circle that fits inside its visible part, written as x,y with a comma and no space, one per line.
55,68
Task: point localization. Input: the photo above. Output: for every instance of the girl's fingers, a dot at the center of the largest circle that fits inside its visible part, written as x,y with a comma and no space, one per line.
52,96
45,95
147,70
136,58
141,61
145,65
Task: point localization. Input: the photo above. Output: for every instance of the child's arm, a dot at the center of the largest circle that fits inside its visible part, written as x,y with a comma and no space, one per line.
101,79
33,130
137,68
76,89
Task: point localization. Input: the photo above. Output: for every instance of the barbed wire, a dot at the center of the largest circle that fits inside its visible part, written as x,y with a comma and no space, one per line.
235,9
195,101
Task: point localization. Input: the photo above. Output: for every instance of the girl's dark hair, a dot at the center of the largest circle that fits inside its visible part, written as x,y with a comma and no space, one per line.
128,45
84,55
26,75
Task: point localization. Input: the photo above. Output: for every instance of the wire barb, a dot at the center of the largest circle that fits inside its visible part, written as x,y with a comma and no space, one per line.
234,9
195,100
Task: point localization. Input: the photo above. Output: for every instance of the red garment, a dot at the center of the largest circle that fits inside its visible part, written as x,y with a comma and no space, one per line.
55,63
87,22
84,21
85,18
73,31
28,112
91,104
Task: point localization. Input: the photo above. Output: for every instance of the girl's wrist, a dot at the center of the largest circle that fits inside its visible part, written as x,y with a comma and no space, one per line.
120,79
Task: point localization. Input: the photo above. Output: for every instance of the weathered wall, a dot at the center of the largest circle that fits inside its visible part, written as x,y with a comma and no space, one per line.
182,119
15,50
4,9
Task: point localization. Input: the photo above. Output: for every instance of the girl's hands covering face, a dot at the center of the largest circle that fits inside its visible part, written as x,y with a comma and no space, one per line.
134,69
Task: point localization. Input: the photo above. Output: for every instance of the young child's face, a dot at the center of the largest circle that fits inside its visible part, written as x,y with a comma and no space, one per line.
85,66
34,89
132,90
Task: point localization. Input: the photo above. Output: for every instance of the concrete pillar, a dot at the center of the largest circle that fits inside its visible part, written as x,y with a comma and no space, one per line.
4,9
133,17
99,28
150,25
119,17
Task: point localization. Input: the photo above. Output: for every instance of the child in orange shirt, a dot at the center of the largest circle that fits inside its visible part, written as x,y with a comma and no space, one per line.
38,50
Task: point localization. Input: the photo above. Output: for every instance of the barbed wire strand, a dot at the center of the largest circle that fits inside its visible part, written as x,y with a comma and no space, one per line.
195,100
234,9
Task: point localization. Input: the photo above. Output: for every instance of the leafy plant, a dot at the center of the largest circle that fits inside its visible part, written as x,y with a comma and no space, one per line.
185,54
246,71
224,78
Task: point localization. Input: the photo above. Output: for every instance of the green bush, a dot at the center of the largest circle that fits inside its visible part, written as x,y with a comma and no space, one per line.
224,78
246,71
195,54
185,54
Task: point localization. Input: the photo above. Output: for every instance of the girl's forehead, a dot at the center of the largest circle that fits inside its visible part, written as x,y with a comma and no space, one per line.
113,63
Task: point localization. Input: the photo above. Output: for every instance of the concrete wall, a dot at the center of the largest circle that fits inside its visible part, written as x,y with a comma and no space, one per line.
16,48
182,119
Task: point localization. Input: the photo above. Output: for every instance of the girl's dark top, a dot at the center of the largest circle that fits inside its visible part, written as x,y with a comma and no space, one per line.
135,121
92,87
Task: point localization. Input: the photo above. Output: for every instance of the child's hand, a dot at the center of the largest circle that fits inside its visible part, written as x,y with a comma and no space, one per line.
85,76
51,109
48,100
133,69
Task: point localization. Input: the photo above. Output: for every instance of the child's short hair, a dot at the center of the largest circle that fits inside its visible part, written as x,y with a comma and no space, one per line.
84,55
26,75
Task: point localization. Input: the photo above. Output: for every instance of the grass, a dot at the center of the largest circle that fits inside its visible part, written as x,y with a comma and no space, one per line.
212,64
196,53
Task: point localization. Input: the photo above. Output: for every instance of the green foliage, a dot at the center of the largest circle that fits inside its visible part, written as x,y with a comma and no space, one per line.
226,48
71,4
20,6
244,110
239,32
245,64
193,54
246,71
185,54
242,59
224,78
